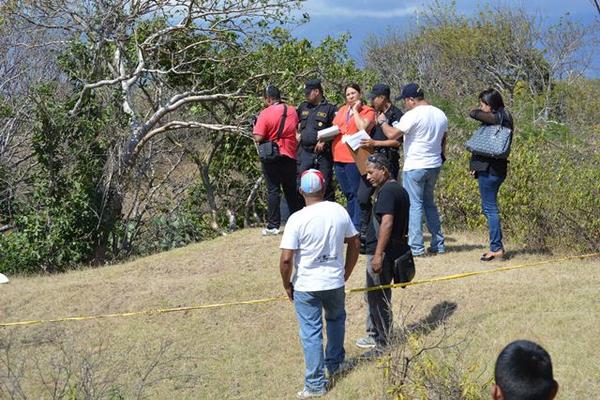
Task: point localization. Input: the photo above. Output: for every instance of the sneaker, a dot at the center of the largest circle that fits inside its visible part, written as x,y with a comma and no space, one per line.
270,232
422,255
368,342
493,255
374,353
343,368
433,251
307,394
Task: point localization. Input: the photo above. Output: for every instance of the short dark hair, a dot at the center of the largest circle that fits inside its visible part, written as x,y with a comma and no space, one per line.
492,98
380,161
524,372
273,92
353,86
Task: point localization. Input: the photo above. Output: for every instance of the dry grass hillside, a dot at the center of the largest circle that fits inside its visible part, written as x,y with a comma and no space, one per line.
252,351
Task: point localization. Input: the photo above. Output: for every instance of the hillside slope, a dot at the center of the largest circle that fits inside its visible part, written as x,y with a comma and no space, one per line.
253,351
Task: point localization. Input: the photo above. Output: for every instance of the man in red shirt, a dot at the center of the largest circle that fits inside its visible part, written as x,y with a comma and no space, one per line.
279,173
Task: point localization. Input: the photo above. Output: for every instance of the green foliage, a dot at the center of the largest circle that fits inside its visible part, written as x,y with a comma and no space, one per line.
58,225
4,195
188,225
418,372
552,184
580,106
453,54
287,62
551,189
292,61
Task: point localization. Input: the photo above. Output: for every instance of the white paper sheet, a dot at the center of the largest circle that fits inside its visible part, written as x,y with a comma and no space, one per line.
354,140
328,133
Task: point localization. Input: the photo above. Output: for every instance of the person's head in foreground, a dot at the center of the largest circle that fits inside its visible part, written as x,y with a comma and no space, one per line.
312,184
524,372
378,169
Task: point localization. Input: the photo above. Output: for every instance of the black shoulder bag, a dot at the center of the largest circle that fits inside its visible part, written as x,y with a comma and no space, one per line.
404,266
268,151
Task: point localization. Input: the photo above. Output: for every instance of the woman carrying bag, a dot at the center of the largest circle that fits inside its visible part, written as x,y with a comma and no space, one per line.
489,171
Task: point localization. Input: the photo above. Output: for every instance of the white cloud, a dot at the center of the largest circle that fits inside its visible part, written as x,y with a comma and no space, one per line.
320,8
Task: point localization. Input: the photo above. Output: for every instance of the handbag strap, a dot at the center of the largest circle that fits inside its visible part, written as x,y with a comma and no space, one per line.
282,123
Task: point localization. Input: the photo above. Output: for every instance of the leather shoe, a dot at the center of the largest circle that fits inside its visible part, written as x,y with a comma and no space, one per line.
492,255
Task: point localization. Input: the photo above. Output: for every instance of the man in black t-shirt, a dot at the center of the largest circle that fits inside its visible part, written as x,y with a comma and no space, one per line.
386,111
315,114
386,241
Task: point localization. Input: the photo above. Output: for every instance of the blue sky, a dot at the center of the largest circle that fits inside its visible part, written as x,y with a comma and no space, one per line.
362,17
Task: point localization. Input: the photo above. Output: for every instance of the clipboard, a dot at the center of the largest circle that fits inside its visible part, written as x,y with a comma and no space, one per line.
360,157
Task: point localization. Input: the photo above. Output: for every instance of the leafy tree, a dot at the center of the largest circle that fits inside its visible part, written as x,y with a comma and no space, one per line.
455,55
59,225
179,82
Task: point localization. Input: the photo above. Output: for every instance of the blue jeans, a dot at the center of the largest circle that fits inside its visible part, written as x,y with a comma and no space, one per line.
348,176
488,190
309,307
419,184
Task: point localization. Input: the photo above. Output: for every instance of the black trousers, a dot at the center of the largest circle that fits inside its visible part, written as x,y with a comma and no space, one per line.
281,175
379,316
323,162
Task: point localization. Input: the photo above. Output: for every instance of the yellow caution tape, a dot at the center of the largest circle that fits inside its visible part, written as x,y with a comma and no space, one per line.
281,298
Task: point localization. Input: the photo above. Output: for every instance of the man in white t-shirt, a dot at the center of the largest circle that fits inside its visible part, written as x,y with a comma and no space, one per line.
313,243
423,128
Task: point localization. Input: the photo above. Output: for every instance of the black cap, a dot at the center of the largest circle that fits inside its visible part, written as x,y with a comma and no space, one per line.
411,90
379,90
273,92
312,84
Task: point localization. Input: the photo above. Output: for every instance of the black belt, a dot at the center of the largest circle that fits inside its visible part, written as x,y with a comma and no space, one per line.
311,148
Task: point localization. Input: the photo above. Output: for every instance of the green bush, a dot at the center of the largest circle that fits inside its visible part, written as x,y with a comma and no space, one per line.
57,226
550,199
415,369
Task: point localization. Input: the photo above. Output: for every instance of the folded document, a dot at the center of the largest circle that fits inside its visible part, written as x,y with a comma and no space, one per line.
354,140
328,133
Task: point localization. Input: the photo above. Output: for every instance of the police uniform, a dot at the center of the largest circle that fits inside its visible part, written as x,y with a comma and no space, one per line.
313,118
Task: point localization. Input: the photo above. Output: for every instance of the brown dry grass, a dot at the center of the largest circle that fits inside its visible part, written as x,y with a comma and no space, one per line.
253,352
